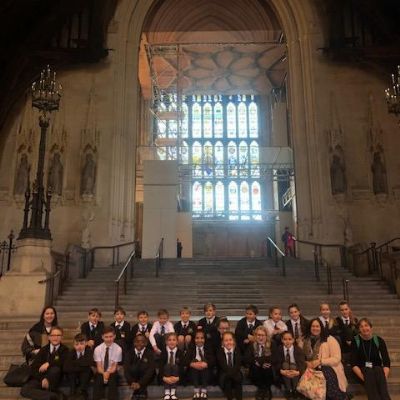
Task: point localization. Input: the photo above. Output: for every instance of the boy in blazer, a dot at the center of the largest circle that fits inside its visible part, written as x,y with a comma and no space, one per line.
47,369
93,328
200,360
122,329
244,332
139,367
172,366
229,362
209,324
289,363
78,366
185,329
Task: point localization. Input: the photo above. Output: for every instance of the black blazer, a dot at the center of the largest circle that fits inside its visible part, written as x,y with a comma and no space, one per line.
74,365
44,356
242,331
250,357
123,335
210,331
35,334
135,329
97,333
278,358
190,330
145,365
224,370
344,333
209,356
180,361
303,326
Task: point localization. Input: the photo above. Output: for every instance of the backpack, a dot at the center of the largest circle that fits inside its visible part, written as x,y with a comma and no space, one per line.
375,339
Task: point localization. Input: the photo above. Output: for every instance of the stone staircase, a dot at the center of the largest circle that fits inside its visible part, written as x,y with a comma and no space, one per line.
230,284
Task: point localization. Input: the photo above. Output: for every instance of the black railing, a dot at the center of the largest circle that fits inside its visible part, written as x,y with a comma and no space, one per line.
115,255
56,281
159,257
318,254
7,248
346,291
279,254
129,263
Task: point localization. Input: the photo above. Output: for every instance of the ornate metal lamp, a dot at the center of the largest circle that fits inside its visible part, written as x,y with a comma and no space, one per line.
46,95
393,95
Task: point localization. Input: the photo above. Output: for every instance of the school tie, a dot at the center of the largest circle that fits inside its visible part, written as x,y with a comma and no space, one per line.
287,358
162,330
139,355
346,322
296,330
171,358
143,330
79,355
53,351
326,324
208,322
261,351
184,326
106,359
251,326
201,354
230,360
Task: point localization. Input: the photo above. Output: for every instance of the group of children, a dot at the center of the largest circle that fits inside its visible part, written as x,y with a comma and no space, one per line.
202,354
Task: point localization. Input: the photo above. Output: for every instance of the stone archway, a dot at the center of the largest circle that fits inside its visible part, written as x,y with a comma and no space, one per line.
301,27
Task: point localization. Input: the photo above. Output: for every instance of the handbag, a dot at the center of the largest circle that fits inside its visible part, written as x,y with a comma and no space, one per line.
17,375
312,384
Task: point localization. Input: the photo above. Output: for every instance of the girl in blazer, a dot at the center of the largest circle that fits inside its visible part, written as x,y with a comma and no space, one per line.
258,358
229,361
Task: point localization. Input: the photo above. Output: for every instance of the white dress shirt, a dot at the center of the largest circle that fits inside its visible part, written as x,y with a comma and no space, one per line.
198,348
114,354
269,325
232,351
298,326
157,329
291,354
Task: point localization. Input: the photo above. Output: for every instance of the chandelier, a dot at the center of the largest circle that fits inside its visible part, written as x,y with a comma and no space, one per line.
392,94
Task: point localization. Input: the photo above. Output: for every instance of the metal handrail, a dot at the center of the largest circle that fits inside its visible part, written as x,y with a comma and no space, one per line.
319,244
115,253
346,294
124,274
159,256
282,254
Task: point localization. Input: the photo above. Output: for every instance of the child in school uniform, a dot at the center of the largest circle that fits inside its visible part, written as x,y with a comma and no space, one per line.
78,366
244,332
258,358
122,329
158,331
139,367
289,363
185,329
297,324
107,356
47,369
200,362
172,366
229,362
93,328
209,324
274,324
143,326
325,317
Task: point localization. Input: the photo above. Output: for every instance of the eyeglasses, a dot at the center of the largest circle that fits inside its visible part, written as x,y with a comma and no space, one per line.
54,335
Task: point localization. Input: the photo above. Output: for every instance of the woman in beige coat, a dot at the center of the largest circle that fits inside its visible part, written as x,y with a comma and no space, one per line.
323,352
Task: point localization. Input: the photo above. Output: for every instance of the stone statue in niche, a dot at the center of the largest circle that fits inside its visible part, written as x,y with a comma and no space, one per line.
88,179
21,178
55,178
338,172
379,178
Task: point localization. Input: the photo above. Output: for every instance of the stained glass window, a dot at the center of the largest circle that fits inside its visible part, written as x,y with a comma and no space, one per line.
208,198
231,120
218,137
196,120
197,197
218,121
207,120
253,120
242,117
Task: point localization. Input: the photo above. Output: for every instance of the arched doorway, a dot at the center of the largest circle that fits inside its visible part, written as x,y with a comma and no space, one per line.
299,68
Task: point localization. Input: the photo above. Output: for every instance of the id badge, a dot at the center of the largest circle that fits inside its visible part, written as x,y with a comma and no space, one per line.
368,364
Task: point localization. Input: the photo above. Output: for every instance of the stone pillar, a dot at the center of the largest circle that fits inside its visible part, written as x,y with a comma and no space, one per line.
160,207
21,294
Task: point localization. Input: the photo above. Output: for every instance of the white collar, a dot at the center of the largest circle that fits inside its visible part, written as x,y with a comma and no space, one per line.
185,323
210,320
229,351
121,324
173,350
295,322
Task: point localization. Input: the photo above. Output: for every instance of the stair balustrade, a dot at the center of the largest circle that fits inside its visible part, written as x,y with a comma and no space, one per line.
159,257
279,254
123,276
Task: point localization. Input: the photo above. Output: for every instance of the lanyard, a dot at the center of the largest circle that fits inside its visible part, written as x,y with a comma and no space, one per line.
365,353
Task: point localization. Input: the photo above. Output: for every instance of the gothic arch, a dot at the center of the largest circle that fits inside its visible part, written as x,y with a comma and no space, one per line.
301,26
